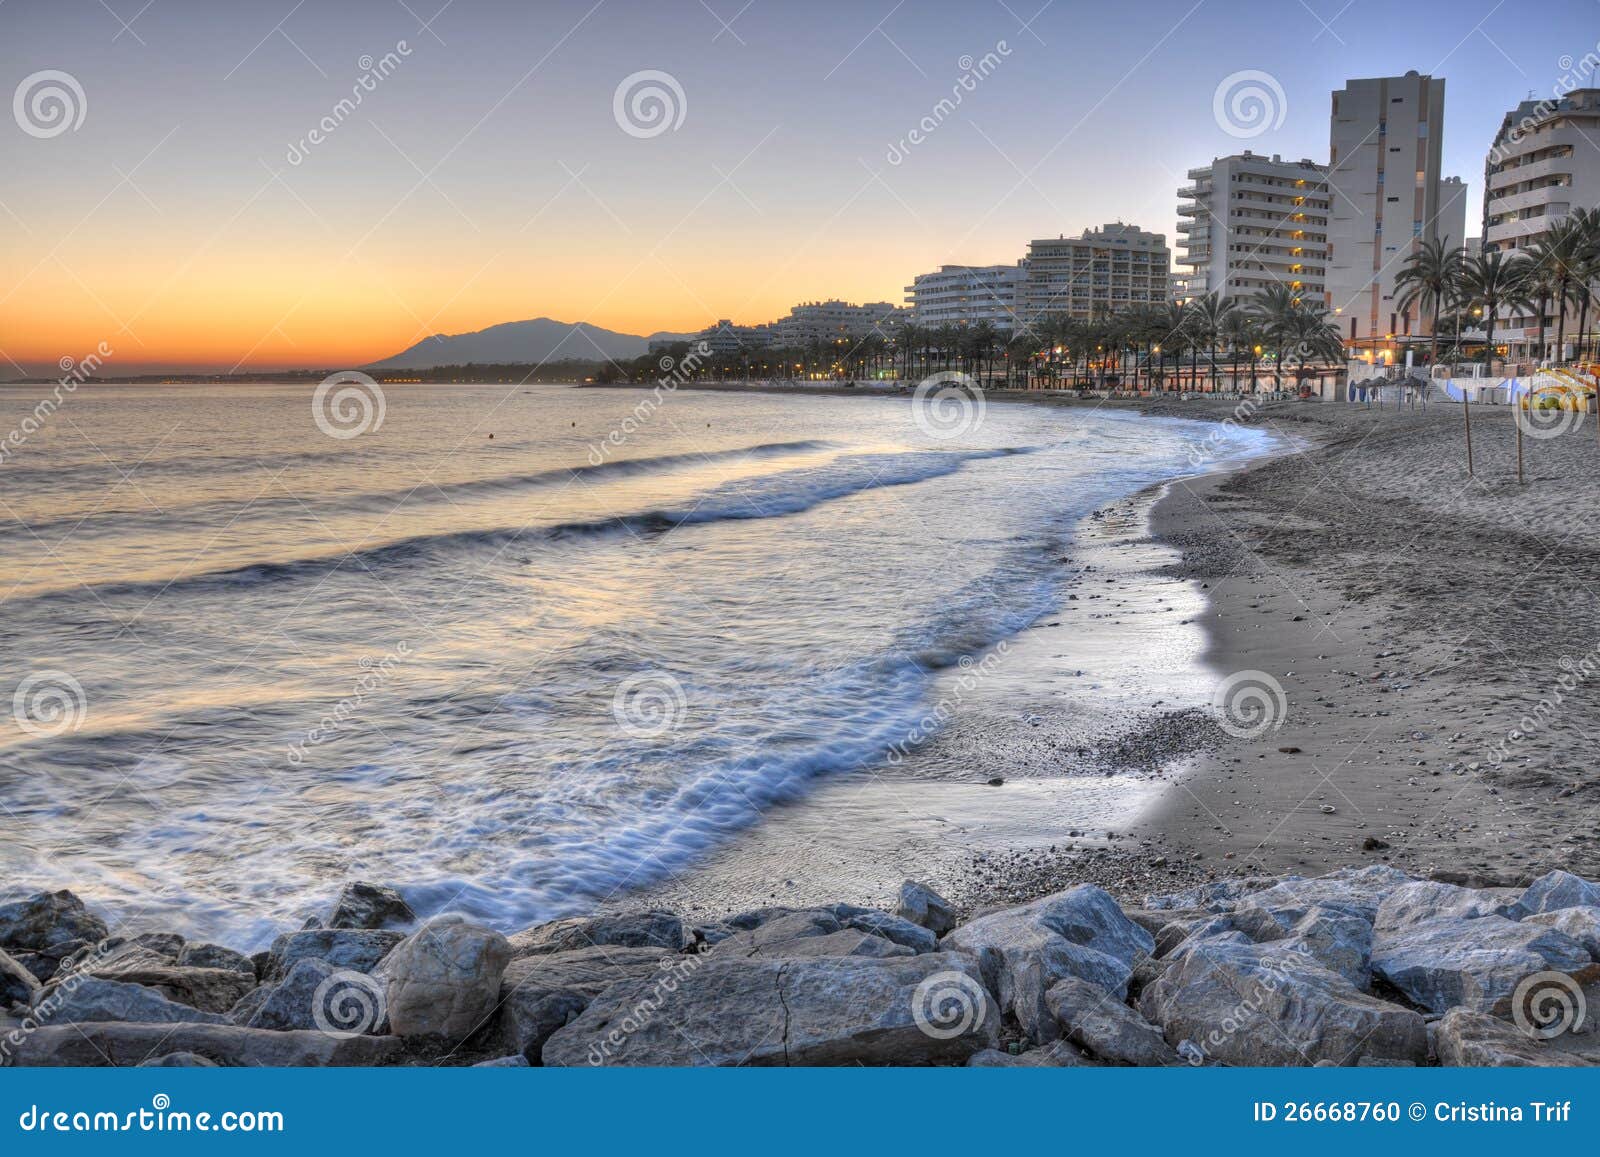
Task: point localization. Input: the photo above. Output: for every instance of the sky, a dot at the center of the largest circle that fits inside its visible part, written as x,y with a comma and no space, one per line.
206,202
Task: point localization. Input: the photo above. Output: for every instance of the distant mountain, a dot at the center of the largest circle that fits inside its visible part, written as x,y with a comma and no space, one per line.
519,342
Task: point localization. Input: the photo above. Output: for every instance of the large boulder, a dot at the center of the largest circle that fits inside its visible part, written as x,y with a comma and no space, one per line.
1357,890
1091,1017
1336,938
817,932
214,956
370,906
539,994
86,998
17,984
892,928
1257,1004
1478,962
929,1008
1214,896
45,919
1582,924
923,906
1022,951
358,949
127,1045
443,981
317,995
635,929
1427,900
1551,891
1464,1038
1055,1055
207,989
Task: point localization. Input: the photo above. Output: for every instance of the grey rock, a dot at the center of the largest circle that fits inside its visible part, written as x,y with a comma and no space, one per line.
894,928
817,1011
167,945
1022,951
1253,1004
1427,900
811,933
214,990
783,928
1153,920
515,1061
178,1061
1477,963
923,906
45,919
1175,933
639,929
1215,896
126,1045
540,994
443,981
214,956
1334,937
241,1012
316,995
370,906
82,999
1582,924
1549,892
1357,890
17,984
1465,1038
1091,1017
1055,1055
358,949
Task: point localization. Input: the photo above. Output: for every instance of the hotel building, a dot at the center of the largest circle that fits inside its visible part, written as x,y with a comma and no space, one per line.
1107,270
834,321
1249,222
1386,199
964,295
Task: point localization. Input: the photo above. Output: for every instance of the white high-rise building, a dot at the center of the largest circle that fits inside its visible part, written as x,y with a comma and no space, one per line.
1386,199
966,295
1250,222
1107,270
1543,163
834,320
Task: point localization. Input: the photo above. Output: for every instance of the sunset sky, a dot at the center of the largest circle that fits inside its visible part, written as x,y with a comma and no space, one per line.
187,221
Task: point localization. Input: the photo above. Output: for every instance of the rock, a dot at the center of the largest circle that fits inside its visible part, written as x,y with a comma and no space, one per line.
370,906
1174,934
1358,890
924,1009
1427,899
214,956
45,919
178,1061
1153,920
778,930
444,979
1056,1055
316,995
1465,1038
1549,892
1582,924
923,906
126,1045
515,1061
1450,960
166,945
1215,896
816,932
1022,951
1253,1004
1090,1016
1336,939
894,928
86,998
1374,844
540,994
639,929
214,990
45,963
358,949
17,984
248,1003
847,942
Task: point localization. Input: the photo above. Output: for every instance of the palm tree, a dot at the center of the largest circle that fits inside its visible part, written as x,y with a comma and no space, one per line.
1243,336
1492,281
1209,318
1429,280
1277,309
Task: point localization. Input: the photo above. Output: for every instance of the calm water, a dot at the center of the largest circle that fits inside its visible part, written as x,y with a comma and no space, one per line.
512,675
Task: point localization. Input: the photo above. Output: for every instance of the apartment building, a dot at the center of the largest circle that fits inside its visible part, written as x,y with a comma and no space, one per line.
1543,164
1106,270
834,321
963,295
1249,222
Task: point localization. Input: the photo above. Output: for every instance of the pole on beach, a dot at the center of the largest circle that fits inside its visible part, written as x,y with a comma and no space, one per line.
1466,417
1516,417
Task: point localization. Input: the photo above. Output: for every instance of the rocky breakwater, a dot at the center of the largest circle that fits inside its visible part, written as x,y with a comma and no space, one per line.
1359,967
